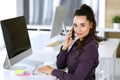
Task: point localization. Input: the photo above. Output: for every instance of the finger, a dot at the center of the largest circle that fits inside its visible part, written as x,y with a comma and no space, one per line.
40,69
70,31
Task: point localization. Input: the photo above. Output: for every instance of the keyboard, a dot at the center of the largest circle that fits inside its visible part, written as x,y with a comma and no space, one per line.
54,44
35,72
41,76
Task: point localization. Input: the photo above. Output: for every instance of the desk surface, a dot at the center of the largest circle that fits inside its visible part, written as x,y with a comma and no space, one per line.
39,40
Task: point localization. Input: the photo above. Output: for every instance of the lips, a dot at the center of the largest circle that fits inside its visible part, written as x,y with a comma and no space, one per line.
79,33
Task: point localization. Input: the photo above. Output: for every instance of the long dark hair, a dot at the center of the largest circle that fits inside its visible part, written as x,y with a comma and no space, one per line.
87,11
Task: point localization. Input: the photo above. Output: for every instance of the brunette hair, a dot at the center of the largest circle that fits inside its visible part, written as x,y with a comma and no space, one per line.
87,11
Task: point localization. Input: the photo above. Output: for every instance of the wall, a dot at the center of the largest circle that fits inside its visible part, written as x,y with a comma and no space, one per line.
7,9
112,9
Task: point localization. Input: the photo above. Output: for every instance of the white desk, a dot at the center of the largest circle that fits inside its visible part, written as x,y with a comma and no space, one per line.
38,55
107,50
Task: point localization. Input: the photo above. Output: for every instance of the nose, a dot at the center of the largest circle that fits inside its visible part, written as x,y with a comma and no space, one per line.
79,29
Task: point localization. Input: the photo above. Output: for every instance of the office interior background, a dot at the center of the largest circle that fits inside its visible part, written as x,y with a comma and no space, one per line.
39,15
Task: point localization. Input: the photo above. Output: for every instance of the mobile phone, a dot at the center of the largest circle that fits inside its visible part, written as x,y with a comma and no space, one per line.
73,34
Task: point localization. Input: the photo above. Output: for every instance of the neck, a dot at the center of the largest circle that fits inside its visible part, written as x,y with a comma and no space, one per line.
81,39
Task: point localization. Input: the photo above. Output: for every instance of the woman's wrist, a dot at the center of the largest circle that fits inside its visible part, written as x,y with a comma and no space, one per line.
64,48
51,71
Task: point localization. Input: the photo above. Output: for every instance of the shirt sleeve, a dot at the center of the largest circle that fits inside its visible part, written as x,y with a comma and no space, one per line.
87,63
61,59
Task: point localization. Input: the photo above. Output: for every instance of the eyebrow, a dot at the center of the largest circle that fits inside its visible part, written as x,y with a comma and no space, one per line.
74,24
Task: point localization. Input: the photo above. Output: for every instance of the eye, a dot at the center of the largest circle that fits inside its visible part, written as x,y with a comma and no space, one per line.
82,25
75,25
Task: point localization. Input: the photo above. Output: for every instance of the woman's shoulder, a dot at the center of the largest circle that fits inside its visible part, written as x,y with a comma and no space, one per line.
91,43
90,50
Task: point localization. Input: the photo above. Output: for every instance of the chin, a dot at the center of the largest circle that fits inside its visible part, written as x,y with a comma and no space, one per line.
80,36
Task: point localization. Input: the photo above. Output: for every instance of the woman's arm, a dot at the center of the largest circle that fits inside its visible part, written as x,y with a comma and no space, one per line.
61,59
86,66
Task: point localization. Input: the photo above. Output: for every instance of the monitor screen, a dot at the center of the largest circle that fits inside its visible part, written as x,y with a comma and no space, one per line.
16,40
58,22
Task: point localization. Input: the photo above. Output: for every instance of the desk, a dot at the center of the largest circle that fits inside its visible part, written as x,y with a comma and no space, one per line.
38,55
107,49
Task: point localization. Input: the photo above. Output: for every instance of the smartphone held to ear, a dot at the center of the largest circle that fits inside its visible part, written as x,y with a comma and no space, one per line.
73,34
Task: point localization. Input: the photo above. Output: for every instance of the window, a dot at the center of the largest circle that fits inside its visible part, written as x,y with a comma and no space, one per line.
41,12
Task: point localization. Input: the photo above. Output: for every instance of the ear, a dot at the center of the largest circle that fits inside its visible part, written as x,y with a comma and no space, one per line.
91,25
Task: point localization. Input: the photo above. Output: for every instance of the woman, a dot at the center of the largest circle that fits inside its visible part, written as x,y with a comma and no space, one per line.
82,58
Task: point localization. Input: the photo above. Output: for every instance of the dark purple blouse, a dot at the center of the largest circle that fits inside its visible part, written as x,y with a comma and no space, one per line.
81,64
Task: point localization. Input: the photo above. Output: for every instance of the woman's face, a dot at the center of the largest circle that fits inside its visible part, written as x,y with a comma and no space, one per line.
81,26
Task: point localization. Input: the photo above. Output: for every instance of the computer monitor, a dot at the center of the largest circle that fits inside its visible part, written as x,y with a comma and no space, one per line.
59,21
16,40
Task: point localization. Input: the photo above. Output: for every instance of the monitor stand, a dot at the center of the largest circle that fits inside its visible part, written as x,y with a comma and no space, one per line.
21,65
8,66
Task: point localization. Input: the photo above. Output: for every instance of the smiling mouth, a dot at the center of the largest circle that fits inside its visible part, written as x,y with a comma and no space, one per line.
79,33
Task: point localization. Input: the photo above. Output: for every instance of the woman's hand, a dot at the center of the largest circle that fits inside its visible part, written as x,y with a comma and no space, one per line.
68,40
46,69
